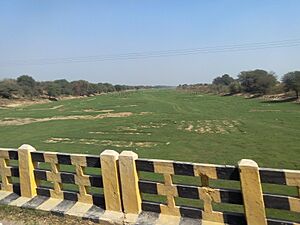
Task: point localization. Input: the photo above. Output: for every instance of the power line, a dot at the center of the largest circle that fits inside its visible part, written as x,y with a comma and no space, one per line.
156,54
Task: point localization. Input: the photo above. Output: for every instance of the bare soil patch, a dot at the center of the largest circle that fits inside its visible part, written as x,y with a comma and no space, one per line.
90,99
58,140
145,113
13,103
42,109
265,110
111,143
209,126
102,111
118,132
8,103
153,125
23,121
118,106
124,130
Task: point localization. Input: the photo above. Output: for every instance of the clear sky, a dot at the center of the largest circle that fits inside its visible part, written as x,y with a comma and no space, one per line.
35,30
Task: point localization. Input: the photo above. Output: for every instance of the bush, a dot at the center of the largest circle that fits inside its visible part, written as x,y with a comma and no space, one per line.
80,87
9,89
224,80
257,81
53,90
291,81
28,86
219,89
277,89
65,88
235,87
26,81
25,86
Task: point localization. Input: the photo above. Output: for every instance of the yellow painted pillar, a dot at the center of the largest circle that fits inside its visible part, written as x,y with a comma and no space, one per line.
26,170
252,192
110,177
129,182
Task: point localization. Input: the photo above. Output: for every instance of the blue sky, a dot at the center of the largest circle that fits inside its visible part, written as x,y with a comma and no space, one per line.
52,29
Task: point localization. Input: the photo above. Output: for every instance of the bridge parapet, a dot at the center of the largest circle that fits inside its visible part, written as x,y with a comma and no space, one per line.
122,187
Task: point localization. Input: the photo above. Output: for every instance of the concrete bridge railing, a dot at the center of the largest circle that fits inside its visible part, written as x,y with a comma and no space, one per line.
114,182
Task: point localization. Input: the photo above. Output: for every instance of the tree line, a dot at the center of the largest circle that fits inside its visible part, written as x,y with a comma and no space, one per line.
26,87
256,82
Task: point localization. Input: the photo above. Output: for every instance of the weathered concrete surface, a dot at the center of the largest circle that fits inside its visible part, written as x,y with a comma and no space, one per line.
89,212
252,193
5,222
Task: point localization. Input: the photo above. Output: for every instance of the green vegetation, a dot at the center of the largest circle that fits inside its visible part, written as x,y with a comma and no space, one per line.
165,124
254,82
26,87
224,80
257,81
292,82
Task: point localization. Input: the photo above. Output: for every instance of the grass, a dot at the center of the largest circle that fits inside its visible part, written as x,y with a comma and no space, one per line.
165,124
267,133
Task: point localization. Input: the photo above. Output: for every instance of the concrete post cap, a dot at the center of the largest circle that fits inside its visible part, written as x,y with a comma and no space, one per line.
248,163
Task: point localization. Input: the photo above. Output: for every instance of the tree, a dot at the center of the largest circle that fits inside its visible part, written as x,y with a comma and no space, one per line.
9,88
235,87
218,88
65,88
109,87
92,89
120,87
224,80
25,86
257,81
26,80
28,84
80,87
291,81
53,89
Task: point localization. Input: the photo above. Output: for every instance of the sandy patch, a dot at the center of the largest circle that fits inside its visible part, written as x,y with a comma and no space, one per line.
98,132
57,107
41,109
91,99
58,140
128,144
13,103
153,125
4,103
265,110
189,128
112,143
119,133
23,121
209,126
123,128
118,106
145,113
101,111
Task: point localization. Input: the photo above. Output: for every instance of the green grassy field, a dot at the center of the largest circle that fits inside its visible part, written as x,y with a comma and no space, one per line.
163,124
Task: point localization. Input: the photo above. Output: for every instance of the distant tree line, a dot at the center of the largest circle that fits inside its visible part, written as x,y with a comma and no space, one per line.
256,82
26,87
